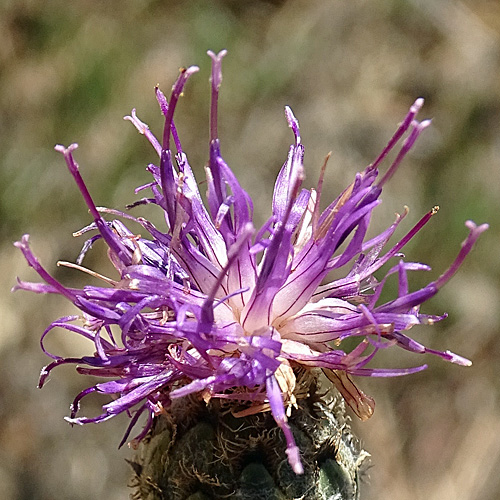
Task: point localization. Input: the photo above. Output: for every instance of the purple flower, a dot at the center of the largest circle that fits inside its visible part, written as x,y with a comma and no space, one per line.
210,305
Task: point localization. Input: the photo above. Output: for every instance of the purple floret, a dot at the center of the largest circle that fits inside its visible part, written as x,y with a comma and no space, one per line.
210,305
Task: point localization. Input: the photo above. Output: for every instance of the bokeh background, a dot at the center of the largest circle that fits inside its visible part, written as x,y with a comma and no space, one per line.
69,72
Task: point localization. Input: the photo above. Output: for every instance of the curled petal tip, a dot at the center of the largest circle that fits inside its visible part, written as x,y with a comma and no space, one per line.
424,124
417,105
73,421
294,459
22,242
467,245
458,360
293,123
216,77
132,115
290,117
474,232
217,56
191,70
141,127
472,226
61,149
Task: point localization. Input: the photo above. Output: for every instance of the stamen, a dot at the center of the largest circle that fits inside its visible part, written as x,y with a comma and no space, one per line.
64,263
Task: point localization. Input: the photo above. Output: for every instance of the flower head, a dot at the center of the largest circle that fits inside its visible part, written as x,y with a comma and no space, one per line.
211,305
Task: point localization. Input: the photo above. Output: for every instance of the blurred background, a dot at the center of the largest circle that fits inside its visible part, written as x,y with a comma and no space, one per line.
69,72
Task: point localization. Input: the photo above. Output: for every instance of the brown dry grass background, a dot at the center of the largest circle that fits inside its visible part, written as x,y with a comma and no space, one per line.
69,71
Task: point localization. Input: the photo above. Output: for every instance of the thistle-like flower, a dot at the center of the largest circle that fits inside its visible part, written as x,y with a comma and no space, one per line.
210,305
